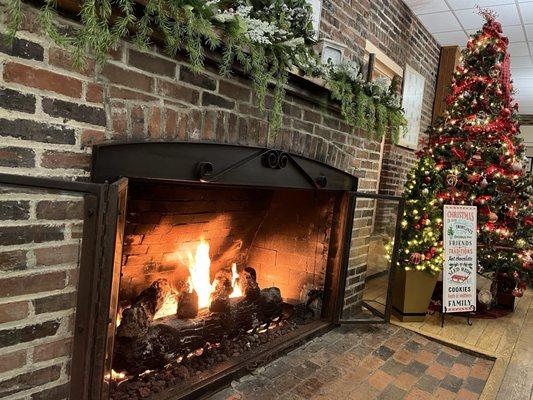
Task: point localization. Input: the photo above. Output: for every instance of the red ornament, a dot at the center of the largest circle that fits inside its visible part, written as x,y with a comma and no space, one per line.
415,258
473,179
491,169
482,199
527,220
517,292
490,226
485,210
506,112
427,179
511,213
417,226
459,153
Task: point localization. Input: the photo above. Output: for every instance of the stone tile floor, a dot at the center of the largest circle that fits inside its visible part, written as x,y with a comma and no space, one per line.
382,362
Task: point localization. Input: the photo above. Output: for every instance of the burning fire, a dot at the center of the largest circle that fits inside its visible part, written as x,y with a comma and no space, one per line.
237,292
169,307
200,279
118,376
199,269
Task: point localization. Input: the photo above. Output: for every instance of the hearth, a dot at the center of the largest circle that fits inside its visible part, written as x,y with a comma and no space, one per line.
225,257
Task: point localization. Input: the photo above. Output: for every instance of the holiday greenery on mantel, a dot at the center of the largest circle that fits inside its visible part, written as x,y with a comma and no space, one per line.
268,38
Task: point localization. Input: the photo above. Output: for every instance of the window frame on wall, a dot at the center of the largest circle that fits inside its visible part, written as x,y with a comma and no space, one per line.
410,136
383,66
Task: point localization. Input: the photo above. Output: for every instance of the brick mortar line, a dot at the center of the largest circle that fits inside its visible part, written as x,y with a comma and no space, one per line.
39,270
39,295
41,116
37,389
47,172
63,329
45,66
28,222
37,319
11,141
44,92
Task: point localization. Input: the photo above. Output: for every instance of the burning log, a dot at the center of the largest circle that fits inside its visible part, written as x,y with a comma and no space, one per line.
137,319
221,292
248,283
188,305
169,338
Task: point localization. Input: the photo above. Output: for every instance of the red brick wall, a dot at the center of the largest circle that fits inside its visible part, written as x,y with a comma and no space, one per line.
51,114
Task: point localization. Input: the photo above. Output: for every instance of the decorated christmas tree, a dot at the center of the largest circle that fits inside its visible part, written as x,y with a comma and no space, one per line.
474,157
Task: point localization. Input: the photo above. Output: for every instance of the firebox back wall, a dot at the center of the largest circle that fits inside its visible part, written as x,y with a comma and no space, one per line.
282,234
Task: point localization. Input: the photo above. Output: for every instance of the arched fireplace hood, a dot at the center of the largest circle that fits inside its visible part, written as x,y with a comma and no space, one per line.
216,163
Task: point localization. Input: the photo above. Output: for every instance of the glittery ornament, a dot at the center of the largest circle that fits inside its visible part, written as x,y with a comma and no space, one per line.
415,258
517,166
495,71
451,180
425,191
484,297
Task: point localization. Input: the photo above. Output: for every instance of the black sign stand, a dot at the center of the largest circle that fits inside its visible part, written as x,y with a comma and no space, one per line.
466,315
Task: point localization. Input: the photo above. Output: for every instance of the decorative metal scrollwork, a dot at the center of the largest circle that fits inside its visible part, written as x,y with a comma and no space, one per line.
275,159
321,181
205,170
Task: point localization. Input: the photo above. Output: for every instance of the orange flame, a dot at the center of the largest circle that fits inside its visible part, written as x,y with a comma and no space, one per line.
169,306
199,268
117,376
237,292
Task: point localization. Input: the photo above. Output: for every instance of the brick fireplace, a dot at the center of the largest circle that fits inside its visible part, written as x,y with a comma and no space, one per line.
273,226
51,116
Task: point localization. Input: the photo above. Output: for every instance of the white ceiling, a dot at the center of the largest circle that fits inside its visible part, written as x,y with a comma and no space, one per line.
451,21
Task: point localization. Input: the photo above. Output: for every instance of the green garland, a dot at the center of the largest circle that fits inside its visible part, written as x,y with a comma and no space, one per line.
372,106
267,38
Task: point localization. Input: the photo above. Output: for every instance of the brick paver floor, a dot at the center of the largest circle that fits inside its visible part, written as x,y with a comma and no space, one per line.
382,362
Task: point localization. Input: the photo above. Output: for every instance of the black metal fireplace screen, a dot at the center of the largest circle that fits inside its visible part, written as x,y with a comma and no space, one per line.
104,232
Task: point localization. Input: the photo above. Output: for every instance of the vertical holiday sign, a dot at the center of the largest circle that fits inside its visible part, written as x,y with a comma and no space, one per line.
460,261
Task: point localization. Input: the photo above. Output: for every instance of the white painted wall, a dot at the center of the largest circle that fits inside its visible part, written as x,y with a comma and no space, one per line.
526,131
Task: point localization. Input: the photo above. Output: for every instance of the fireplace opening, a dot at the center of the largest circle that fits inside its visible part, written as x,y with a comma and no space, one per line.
212,274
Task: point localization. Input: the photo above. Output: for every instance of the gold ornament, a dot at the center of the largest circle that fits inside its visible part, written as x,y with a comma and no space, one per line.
495,72
451,180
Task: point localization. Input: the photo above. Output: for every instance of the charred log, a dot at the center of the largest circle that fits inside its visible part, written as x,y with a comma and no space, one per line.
137,319
169,338
222,289
187,305
248,284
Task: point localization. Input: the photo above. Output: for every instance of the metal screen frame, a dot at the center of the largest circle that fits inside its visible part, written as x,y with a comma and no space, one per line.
379,316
